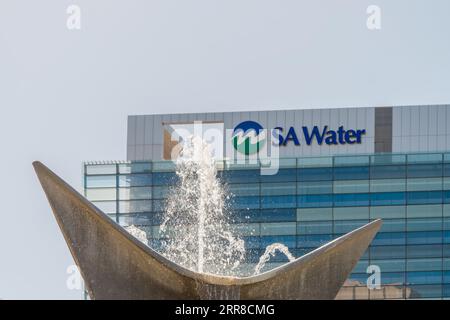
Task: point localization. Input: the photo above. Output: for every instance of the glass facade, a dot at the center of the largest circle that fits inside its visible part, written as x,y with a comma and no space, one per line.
311,201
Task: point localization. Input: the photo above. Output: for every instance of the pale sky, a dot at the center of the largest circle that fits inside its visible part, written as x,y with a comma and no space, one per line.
65,95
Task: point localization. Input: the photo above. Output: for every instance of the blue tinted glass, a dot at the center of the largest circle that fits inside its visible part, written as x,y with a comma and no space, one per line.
424,170
278,202
276,214
100,181
446,236
351,173
446,196
389,238
351,200
164,178
424,224
393,225
315,227
446,276
387,198
387,172
424,277
425,197
387,252
240,216
446,291
315,174
315,200
289,241
240,176
252,242
344,226
283,175
447,170
424,251
159,205
425,237
245,203
313,241
392,278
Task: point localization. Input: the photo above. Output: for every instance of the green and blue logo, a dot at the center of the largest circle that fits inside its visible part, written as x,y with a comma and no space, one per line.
248,137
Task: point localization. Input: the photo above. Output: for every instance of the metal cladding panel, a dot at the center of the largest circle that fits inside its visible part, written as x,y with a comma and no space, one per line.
420,128
414,129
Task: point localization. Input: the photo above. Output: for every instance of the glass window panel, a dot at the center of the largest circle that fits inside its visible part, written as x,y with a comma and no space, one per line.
106,206
278,214
163,178
393,225
446,210
101,194
314,227
349,200
288,241
281,188
244,189
424,237
351,186
315,214
361,266
101,169
137,219
424,251
387,185
240,176
136,193
135,206
252,242
135,167
446,236
247,216
314,201
387,252
425,291
424,157
315,162
164,166
388,172
247,229
422,211
159,205
387,212
425,224
446,183
390,265
388,198
135,180
446,196
160,192
100,181
278,202
315,174
313,241
315,187
424,170
389,238
345,226
351,173
351,160
427,277
446,223
351,213
428,264
278,228
386,159
245,203
424,197
446,170
427,184
283,175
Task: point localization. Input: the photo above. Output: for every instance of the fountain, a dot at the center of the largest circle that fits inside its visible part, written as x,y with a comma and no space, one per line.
200,253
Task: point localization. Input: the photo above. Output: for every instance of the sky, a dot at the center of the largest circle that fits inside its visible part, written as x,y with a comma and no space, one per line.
65,94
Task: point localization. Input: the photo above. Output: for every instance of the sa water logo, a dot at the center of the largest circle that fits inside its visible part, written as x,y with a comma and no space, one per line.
248,137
